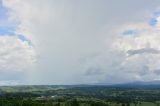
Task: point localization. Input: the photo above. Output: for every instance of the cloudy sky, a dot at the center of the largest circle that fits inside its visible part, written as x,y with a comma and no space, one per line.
79,41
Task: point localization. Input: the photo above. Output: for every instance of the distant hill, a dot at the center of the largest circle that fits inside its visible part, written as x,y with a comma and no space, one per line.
35,88
143,84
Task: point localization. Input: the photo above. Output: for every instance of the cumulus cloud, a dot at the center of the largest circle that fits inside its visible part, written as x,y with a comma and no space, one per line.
134,55
15,54
16,51
76,44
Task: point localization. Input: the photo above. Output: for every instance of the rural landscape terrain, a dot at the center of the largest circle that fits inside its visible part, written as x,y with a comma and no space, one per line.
79,52
132,94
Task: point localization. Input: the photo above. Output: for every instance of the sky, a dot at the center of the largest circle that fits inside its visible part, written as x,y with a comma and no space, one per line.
79,41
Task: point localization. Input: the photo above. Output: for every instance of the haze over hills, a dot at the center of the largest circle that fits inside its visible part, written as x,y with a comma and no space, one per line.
143,84
26,88
155,82
135,84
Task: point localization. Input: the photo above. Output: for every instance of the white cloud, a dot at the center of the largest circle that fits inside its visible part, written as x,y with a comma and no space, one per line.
15,54
65,33
133,56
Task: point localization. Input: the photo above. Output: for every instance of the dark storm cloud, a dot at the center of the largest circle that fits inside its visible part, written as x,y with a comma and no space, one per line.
143,50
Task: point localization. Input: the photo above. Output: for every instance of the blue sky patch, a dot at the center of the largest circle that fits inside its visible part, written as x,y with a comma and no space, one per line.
7,31
130,33
153,22
24,39
8,28
3,12
157,13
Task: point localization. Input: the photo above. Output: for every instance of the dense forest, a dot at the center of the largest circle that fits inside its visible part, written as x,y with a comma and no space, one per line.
79,96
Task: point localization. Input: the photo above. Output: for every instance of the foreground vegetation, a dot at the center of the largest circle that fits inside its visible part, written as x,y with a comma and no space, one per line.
79,96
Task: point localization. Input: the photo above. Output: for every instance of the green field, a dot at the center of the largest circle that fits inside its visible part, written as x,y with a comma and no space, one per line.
79,95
